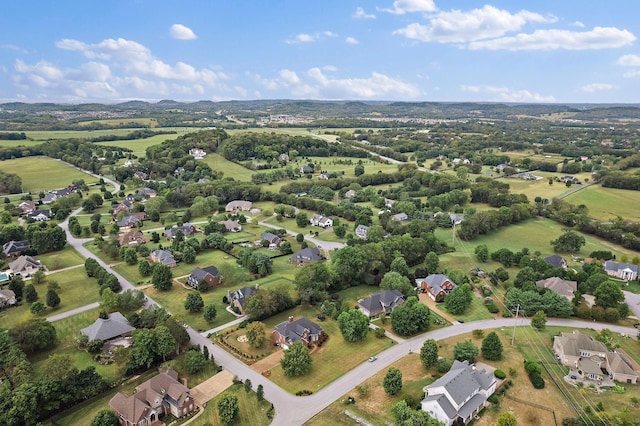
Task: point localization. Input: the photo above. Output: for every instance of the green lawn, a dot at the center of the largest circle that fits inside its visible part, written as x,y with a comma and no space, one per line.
606,203
346,165
332,360
229,168
476,312
251,411
61,259
59,175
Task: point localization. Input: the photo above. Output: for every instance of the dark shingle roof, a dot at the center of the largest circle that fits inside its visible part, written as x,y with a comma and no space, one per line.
384,301
105,329
293,330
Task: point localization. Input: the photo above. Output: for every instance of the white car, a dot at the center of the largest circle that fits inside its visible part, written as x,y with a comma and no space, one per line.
373,358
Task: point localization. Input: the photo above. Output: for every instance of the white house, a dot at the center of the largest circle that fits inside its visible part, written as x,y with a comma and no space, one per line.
321,221
624,271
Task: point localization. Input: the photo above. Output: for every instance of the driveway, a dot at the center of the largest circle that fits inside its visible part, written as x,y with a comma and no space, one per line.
212,387
633,300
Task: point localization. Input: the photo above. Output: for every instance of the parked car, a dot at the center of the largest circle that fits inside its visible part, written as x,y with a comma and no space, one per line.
373,358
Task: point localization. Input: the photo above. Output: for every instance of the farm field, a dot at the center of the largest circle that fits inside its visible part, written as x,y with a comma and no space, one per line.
608,203
347,165
59,175
541,188
229,168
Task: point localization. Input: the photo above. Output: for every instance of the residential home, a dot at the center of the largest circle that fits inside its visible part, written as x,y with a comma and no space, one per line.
350,194
105,329
129,163
378,303
7,298
131,237
203,180
39,215
320,220
141,175
146,192
361,231
124,206
458,396
564,288
571,179
27,206
129,222
15,248
300,330
209,274
556,261
159,396
178,170
25,266
388,202
305,256
306,169
238,297
589,357
624,271
400,217
163,256
323,176
186,228
455,218
274,240
283,157
238,205
437,286
232,225
197,153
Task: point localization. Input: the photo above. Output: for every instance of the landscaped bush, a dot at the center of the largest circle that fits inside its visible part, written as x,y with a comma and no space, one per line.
493,308
304,392
379,333
493,399
506,313
499,374
536,380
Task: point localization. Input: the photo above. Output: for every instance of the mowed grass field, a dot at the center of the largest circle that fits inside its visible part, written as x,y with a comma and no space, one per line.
43,173
607,203
229,168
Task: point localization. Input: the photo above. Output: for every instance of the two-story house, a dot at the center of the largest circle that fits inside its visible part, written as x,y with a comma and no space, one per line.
437,286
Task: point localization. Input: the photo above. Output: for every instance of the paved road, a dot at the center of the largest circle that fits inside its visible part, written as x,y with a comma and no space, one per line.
633,300
325,245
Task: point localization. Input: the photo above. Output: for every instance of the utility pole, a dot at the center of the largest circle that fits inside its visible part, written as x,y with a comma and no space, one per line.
513,338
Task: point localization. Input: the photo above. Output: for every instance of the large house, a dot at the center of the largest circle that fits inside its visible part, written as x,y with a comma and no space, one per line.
362,231
400,217
300,330
115,326
238,297
39,215
556,261
624,271
232,225
186,228
378,303
25,266
15,248
558,285
58,193
589,357
238,205
209,274
131,221
305,256
163,256
7,298
131,237
458,396
321,221
27,206
273,239
437,286
157,397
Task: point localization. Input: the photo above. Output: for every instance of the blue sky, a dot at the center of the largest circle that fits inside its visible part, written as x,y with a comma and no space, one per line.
406,50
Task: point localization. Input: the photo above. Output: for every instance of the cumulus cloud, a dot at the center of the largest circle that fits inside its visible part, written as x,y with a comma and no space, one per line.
400,7
182,32
597,87
505,94
632,74
578,24
310,38
458,26
629,61
361,14
598,38
351,40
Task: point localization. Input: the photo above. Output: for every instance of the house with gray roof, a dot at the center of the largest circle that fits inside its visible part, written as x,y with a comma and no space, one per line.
556,261
232,225
437,286
116,325
7,298
238,297
238,205
378,303
300,330
624,271
26,266
186,228
274,240
564,288
14,248
163,256
39,215
320,220
361,231
458,396
209,274
306,255
400,217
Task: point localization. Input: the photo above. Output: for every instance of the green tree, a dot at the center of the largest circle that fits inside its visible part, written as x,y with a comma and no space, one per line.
608,295
392,382
431,262
507,419
482,253
465,351
247,386
492,347
195,361
109,300
30,294
38,277
53,300
228,408
130,256
312,282
164,341
296,361
459,300
194,302
188,254
302,219
210,312
410,318
256,335
359,169
34,335
37,308
354,325
162,277
399,265
260,392
568,242
539,320
396,281
429,353
16,284
285,247
105,417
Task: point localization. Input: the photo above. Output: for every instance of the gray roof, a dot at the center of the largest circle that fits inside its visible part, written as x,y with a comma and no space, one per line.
105,329
293,330
472,405
400,216
558,285
573,343
242,294
611,265
200,273
462,381
384,301
14,247
268,236
444,403
164,256
309,254
23,263
555,260
435,282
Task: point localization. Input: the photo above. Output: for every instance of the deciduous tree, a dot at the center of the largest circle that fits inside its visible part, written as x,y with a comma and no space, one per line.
210,312
492,347
429,353
354,325
465,351
296,361
392,382
162,277
228,408
194,302
539,320
256,334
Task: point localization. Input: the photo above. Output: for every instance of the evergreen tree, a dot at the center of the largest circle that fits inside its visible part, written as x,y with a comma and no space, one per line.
492,347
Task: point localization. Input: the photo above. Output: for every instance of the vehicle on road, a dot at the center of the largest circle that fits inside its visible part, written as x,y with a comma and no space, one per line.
373,358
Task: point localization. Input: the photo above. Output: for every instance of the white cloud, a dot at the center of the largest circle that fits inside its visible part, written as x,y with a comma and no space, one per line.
578,24
310,38
289,77
629,61
351,40
464,26
598,38
181,32
361,14
597,87
330,68
632,74
400,7
504,94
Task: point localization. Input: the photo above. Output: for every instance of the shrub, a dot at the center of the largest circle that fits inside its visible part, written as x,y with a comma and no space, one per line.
506,313
443,365
379,333
536,380
499,374
532,367
493,399
493,308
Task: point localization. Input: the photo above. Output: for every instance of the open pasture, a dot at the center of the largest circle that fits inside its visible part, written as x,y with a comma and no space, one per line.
607,203
43,173
229,168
